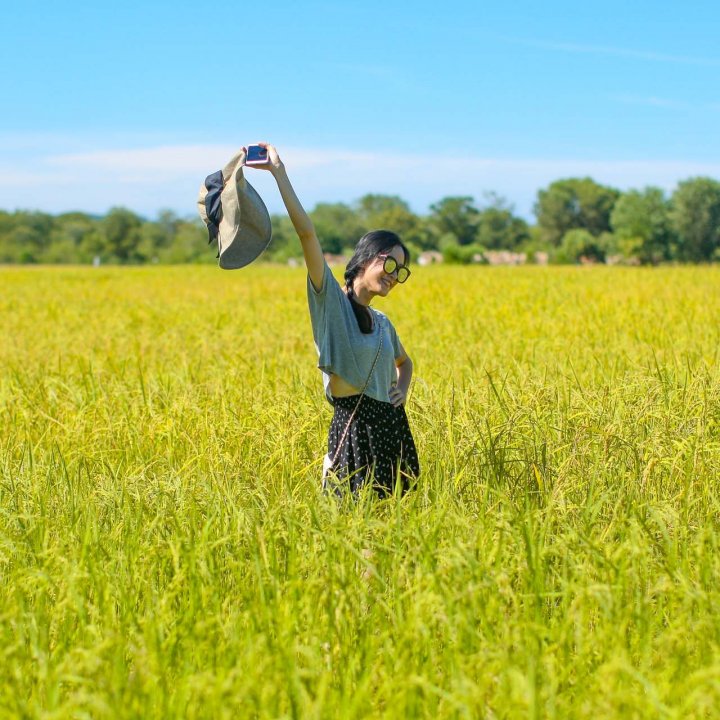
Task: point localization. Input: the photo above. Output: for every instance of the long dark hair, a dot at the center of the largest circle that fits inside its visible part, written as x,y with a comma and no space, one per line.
369,246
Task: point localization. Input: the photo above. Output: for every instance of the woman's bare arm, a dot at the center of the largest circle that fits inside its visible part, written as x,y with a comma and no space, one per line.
301,222
404,369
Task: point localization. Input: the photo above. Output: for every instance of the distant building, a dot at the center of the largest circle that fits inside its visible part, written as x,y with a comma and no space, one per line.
332,260
505,257
429,257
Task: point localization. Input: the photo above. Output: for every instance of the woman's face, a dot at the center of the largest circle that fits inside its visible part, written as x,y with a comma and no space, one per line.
375,279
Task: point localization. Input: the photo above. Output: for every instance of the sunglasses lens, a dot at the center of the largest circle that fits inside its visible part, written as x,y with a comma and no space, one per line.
390,265
403,275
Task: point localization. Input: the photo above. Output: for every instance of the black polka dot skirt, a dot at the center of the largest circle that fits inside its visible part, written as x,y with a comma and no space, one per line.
378,448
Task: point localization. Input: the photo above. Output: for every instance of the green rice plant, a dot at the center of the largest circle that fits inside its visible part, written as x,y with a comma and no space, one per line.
165,550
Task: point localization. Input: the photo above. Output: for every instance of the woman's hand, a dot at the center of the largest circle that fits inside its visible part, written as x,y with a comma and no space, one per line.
273,163
397,396
398,392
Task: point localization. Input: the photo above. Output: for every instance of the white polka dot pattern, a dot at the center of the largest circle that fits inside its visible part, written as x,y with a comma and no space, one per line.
378,448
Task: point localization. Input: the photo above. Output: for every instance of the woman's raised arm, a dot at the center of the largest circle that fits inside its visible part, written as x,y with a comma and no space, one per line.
301,222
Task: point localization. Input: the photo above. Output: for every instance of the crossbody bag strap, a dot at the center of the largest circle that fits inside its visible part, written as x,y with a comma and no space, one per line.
357,405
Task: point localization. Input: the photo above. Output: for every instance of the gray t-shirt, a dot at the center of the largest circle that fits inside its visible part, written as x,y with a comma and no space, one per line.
346,351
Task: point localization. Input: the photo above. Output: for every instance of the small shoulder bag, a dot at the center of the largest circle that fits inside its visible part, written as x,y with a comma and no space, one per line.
329,462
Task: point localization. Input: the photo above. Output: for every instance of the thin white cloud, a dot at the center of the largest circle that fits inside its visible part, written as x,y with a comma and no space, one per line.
148,179
167,160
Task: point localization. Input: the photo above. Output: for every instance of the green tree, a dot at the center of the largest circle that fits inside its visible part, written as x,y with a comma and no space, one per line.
455,254
695,217
574,203
157,236
579,243
74,239
21,245
455,216
390,212
337,226
284,244
6,225
189,244
373,208
641,222
31,235
498,227
169,225
121,232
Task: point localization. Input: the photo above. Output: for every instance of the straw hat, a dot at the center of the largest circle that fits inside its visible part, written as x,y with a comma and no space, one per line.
235,215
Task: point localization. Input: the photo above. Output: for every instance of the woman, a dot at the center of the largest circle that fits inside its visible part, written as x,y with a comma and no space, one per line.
365,368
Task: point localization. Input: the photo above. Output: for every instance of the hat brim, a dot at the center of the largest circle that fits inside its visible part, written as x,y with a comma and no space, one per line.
253,234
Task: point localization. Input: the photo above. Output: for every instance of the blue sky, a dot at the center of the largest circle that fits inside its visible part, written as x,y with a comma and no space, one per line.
133,104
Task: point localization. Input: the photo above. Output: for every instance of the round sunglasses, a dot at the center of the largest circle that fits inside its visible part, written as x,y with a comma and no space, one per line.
390,265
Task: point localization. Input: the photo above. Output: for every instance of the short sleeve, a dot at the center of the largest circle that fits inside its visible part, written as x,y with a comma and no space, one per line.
318,299
325,307
322,292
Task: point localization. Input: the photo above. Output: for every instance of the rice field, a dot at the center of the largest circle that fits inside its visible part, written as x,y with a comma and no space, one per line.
165,550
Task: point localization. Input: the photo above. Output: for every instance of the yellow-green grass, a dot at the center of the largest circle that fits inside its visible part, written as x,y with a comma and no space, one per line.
165,550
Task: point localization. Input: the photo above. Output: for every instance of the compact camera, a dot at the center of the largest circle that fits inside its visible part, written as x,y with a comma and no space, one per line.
256,155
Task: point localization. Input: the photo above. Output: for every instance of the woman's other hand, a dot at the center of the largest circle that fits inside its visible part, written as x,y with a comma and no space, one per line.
397,396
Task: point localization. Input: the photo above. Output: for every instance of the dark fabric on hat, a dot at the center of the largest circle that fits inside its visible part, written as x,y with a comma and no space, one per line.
213,205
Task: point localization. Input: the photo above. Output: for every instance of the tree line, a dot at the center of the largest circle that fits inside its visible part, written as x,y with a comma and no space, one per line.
577,219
